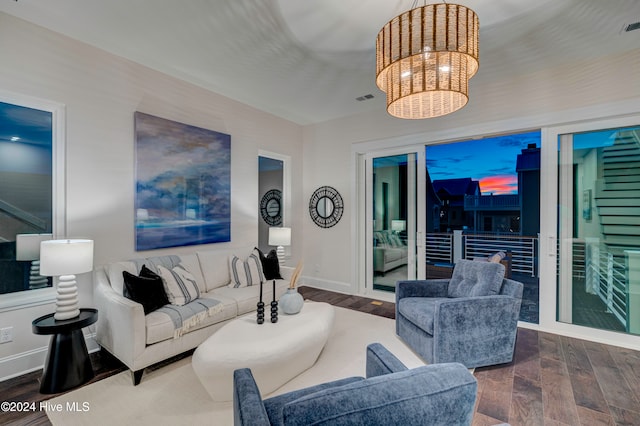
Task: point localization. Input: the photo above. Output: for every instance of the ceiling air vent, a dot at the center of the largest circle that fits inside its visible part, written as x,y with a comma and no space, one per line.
632,27
364,98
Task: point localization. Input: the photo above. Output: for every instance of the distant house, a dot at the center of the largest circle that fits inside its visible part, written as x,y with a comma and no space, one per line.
452,193
512,213
434,206
528,169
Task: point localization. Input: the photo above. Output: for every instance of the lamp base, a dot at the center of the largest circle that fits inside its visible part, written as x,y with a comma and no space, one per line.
280,253
35,279
67,298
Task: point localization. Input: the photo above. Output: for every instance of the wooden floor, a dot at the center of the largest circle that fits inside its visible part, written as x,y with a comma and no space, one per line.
553,380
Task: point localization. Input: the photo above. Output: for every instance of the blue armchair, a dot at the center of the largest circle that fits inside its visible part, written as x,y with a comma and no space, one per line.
471,318
442,394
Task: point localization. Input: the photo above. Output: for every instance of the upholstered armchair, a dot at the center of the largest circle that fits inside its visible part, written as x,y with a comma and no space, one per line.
471,318
442,394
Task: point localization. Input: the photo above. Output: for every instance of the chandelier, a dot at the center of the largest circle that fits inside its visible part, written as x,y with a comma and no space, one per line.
425,58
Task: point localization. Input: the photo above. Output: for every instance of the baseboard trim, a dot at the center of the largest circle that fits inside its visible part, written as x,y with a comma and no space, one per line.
337,286
33,360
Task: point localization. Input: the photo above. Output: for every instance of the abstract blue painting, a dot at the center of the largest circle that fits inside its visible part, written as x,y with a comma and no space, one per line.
183,184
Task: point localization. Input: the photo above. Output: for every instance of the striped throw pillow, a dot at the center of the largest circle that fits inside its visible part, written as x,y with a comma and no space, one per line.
247,272
179,284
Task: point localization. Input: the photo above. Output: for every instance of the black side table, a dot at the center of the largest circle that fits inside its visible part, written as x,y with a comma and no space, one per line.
68,364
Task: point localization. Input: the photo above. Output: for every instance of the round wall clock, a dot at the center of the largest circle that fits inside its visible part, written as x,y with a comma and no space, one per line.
326,206
271,207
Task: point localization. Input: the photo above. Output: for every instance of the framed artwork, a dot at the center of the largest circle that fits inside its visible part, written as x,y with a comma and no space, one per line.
183,184
586,204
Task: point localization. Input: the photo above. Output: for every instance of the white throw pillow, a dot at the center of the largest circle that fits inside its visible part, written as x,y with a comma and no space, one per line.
179,284
247,272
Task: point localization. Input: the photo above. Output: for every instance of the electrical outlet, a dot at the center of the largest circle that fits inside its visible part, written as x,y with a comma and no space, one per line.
6,334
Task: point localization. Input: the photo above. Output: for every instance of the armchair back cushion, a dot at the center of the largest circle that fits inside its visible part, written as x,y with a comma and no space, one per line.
471,279
434,394
441,394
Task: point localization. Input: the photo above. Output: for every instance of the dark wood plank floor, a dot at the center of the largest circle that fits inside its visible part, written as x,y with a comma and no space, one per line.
553,380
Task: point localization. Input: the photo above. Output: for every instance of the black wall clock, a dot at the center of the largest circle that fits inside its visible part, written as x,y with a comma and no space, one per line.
326,206
271,207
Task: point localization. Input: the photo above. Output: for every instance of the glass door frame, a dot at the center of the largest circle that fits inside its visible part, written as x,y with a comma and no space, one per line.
549,217
416,228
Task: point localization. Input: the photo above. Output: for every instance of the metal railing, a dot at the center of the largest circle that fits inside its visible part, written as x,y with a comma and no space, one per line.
607,277
523,250
474,202
440,248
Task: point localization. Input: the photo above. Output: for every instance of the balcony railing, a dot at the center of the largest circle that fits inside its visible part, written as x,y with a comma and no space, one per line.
440,247
492,202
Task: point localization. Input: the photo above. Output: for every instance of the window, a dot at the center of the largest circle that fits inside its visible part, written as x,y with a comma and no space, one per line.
31,177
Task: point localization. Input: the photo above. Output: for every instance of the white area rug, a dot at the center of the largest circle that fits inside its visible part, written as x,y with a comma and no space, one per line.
172,395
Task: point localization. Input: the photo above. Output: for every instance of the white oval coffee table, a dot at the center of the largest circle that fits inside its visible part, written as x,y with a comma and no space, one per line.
275,352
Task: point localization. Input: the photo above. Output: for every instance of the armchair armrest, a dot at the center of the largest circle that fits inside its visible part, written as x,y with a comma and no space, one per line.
248,408
121,324
380,361
422,288
475,325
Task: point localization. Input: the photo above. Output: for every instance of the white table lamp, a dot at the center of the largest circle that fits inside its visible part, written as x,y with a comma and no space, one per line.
398,225
63,259
28,249
280,237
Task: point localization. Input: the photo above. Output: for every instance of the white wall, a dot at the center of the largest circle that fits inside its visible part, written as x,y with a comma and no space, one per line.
101,92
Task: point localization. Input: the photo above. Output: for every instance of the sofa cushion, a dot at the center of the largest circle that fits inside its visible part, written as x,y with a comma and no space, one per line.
159,325
246,272
192,264
215,266
472,279
247,297
179,284
146,289
420,311
114,273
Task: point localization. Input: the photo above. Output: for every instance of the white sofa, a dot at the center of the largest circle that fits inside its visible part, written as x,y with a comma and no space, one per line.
140,340
389,251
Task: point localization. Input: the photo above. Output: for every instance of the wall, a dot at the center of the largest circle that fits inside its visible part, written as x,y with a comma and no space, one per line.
101,92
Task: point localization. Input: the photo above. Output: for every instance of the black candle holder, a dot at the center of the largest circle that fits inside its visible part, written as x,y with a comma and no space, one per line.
274,305
260,319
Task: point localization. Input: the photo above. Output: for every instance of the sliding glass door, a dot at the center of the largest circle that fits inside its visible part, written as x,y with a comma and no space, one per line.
598,268
394,202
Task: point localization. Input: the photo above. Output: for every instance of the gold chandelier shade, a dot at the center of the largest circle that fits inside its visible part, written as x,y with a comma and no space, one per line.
425,58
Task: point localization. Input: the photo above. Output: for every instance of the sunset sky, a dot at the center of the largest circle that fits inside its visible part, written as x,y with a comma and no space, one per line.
492,161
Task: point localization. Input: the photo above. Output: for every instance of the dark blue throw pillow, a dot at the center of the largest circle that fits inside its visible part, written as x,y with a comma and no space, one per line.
146,289
270,265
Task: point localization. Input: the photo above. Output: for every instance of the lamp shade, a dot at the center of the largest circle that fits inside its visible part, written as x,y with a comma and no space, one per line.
398,225
66,257
28,245
279,236
425,58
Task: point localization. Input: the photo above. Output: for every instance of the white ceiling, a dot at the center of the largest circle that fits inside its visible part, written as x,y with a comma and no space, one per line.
307,61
